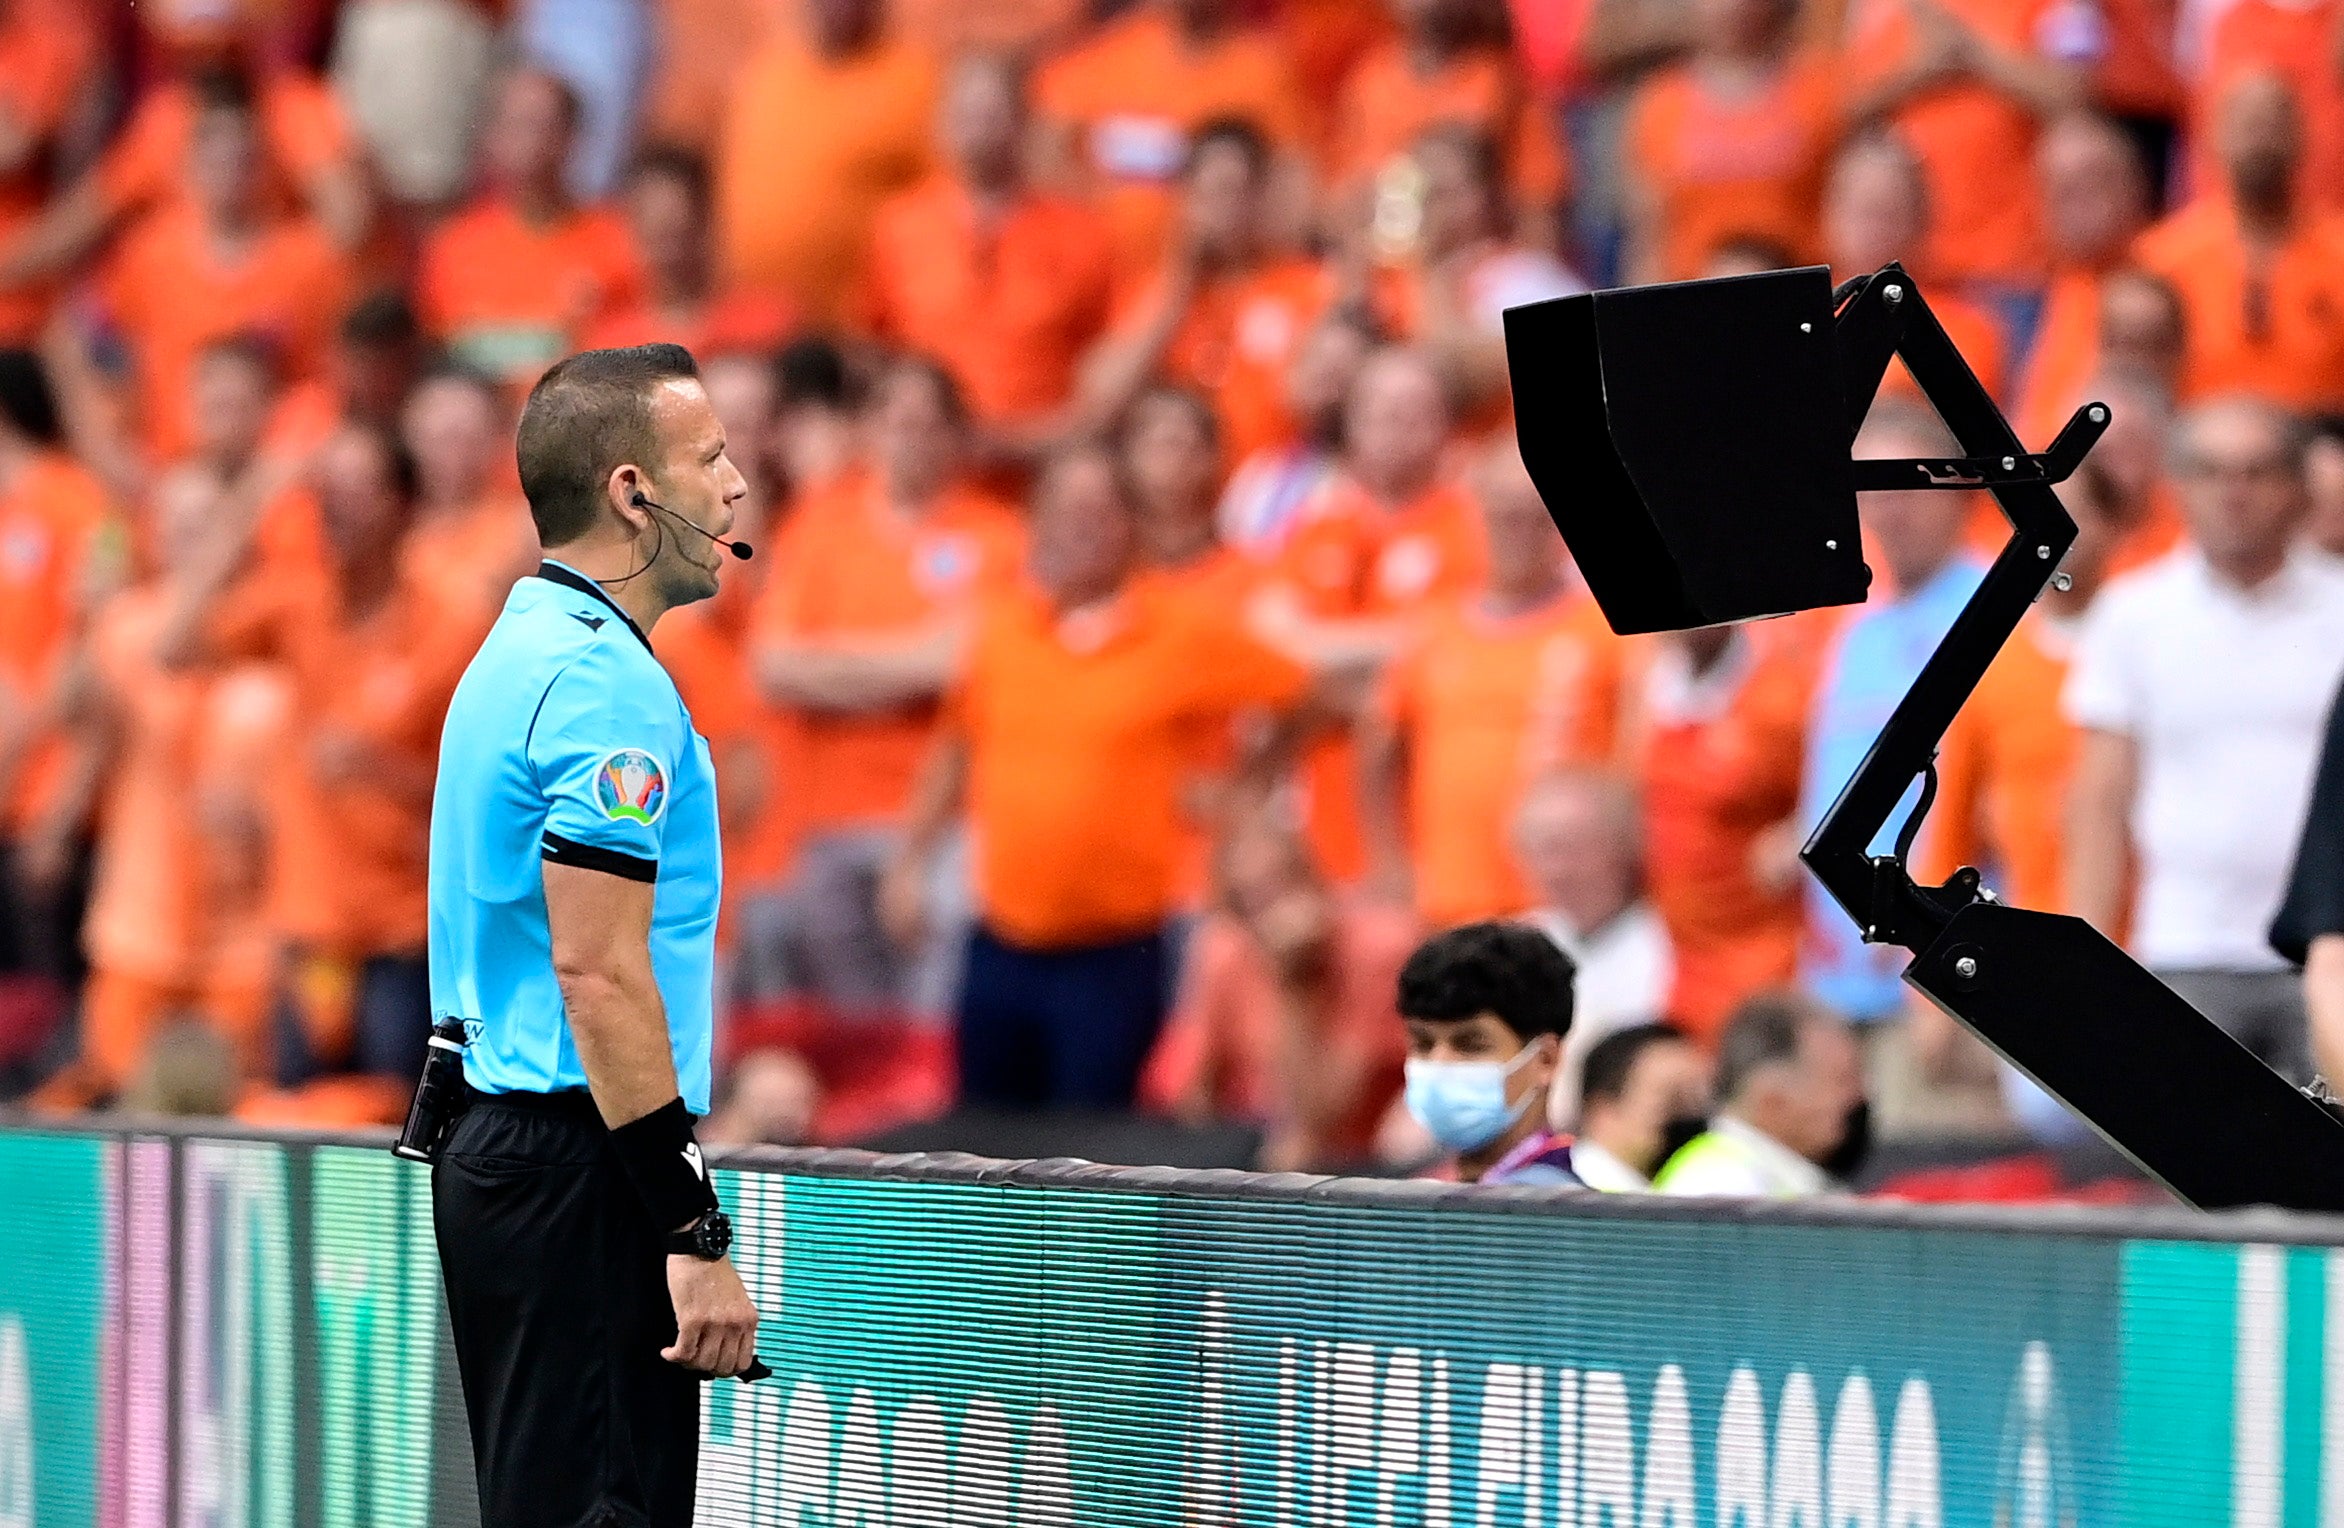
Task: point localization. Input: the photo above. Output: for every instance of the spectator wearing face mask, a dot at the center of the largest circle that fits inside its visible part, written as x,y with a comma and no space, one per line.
1644,1096
1487,1009
1791,1119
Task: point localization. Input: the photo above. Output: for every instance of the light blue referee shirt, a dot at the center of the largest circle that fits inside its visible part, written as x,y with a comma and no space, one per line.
567,741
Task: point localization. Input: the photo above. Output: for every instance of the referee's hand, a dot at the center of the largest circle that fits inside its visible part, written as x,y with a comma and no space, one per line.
716,1325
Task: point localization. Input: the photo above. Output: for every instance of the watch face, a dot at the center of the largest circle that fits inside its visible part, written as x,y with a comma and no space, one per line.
715,1235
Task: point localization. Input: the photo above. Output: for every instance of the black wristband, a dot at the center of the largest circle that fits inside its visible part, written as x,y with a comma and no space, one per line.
664,1161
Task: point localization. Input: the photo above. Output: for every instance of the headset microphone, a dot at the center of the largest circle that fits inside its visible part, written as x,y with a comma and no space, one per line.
740,549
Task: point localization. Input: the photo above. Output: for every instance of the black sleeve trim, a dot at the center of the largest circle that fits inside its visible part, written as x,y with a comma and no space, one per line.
568,851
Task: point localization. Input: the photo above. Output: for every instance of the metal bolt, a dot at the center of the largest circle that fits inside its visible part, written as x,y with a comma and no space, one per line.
1806,328
1966,967
2043,552
1831,546
2062,582
1893,293
1871,931
2099,414
2009,463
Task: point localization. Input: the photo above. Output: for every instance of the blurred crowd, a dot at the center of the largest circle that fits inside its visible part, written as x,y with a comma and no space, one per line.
1153,631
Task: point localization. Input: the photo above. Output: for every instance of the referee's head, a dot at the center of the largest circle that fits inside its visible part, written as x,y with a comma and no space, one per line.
624,464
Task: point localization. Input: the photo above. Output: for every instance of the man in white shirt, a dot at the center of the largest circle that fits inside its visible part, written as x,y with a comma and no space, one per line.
1579,841
2202,684
1791,1115
1646,1095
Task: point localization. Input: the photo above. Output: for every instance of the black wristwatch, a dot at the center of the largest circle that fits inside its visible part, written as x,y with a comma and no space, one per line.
708,1238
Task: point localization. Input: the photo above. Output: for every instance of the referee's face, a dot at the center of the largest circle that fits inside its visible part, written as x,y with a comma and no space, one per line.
698,483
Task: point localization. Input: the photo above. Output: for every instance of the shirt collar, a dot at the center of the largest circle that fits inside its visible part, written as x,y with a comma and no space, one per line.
1785,1170
562,573
1604,1172
1530,1147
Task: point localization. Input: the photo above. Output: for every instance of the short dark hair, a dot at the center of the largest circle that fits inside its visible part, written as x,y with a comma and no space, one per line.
1509,969
584,418
218,87
1766,1030
26,400
687,167
381,318
1603,1076
1179,396
918,363
813,370
1239,133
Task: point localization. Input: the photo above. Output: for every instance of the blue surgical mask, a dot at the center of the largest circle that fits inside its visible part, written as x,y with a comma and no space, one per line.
1462,1104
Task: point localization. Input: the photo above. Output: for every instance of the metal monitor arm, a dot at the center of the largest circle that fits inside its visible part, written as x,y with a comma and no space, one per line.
2050,994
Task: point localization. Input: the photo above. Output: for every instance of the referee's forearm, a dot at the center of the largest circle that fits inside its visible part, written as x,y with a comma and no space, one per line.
620,1027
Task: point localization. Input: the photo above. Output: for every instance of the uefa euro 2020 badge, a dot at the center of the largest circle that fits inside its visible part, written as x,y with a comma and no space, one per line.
629,786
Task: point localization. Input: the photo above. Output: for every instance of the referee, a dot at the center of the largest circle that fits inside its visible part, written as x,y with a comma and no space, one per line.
574,879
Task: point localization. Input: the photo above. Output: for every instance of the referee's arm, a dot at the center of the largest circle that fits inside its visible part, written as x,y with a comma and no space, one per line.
601,934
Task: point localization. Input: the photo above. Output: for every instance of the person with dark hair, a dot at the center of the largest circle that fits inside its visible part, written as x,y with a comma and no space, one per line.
371,649
1791,1120
1643,1094
854,642
1122,108
472,529
225,259
666,200
516,279
1272,488
1487,1008
573,891
1068,734
1005,282
53,516
818,399
1227,306
378,352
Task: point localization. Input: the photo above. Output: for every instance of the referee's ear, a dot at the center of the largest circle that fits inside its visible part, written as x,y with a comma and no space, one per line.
625,485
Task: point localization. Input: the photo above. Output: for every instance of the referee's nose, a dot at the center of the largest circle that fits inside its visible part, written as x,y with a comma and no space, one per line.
731,488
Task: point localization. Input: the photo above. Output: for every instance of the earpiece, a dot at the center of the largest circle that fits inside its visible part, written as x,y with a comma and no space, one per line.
740,549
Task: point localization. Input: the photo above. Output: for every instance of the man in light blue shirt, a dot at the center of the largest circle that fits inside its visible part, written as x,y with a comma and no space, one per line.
574,885
1921,586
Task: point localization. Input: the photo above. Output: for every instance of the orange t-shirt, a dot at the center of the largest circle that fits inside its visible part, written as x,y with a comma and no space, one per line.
170,294
1220,585
759,763
475,555
2277,331
302,128
811,149
49,523
1386,103
1237,342
1720,757
348,856
1326,40
731,322
1974,333
1714,169
45,57
1010,305
2297,43
2003,773
2065,354
853,570
1347,557
702,44
146,914
1486,705
1131,96
512,298
1078,734
1976,146
1225,1038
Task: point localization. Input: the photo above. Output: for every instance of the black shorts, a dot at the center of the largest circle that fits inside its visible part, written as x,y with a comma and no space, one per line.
557,1293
